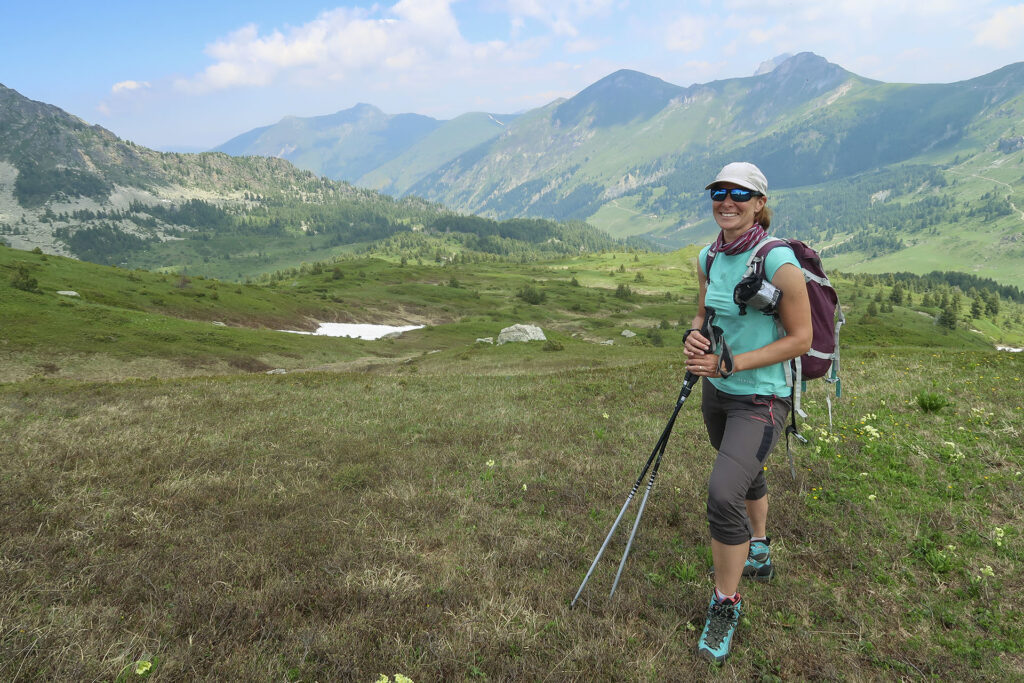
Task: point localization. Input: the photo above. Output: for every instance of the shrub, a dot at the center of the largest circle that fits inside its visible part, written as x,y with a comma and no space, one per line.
531,295
623,292
552,345
931,402
23,280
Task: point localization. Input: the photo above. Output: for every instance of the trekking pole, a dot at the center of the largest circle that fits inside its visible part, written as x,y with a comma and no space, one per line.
714,335
688,382
655,457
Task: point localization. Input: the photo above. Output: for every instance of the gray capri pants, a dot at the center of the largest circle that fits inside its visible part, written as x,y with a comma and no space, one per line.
743,429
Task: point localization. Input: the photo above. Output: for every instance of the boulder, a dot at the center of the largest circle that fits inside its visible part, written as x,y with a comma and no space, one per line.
608,342
277,371
485,340
521,333
67,292
628,333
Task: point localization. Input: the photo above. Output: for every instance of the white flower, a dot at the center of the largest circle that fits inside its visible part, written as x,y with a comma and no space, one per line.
871,497
490,463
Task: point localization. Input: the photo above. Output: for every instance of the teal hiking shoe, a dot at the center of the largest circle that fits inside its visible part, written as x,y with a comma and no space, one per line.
718,630
759,561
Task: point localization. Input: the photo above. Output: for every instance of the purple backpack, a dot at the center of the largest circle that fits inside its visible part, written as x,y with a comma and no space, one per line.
826,319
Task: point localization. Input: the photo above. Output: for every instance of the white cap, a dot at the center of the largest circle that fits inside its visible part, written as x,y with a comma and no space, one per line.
744,174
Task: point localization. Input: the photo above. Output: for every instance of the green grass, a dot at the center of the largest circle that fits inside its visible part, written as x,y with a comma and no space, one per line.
428,505
335,526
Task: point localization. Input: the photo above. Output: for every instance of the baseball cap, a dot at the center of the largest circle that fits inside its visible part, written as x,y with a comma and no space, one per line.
744,174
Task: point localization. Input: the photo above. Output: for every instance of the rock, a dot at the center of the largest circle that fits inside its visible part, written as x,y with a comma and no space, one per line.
608,342
277,371
521,333
67,292
628,333
485,340
219,323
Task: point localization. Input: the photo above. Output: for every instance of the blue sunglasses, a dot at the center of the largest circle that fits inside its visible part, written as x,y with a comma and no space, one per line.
738,195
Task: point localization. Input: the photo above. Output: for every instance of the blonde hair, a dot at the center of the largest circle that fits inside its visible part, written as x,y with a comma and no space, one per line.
764,216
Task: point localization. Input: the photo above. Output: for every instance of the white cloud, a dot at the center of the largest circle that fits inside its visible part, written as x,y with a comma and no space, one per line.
687,34
125,86
1003,30
582,45
413,35
561,16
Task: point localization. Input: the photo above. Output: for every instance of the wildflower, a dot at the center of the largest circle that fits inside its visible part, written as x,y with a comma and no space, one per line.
399,678
604,415
490,463
871,431
863,474
998,535
524,487
871,497
143,667
987,571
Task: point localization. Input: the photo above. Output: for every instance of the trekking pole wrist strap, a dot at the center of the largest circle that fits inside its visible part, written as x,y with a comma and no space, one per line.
688,333
726,361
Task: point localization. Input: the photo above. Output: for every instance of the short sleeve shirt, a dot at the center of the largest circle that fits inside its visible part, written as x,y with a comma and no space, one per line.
745,332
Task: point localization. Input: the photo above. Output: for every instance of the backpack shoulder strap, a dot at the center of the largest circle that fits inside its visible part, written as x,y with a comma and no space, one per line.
755,264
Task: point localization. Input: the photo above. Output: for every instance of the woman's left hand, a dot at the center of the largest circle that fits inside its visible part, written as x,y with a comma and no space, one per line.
703,366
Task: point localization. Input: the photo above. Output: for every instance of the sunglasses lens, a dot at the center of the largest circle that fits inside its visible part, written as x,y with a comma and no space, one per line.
719,195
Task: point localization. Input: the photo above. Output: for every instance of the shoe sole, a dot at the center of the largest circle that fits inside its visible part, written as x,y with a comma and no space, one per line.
711,658
760,577
754,576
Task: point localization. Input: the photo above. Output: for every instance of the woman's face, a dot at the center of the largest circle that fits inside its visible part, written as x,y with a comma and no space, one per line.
733,216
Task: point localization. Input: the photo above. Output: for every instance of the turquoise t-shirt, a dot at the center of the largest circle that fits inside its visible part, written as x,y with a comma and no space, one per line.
745,332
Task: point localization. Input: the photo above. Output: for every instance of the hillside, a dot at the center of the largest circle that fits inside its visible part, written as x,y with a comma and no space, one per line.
366,146
428,505
75,189
629,155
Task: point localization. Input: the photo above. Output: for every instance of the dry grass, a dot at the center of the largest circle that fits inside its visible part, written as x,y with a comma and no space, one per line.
337,526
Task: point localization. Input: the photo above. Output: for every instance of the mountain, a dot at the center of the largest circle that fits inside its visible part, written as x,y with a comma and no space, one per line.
630,154
71,188
362,140
441,145
342,146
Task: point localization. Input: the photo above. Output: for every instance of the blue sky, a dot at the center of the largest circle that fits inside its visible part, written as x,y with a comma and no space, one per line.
190,75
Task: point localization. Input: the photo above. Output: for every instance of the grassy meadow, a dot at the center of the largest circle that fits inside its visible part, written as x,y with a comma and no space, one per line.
428,505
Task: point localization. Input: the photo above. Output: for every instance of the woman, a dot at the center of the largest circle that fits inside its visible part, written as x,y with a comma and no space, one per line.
745,409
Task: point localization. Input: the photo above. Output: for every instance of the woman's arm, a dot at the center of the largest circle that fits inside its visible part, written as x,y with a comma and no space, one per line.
794,313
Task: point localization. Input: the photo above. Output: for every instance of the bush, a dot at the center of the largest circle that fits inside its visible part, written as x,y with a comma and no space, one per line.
931,402
23,280
532,295
552,345
623,292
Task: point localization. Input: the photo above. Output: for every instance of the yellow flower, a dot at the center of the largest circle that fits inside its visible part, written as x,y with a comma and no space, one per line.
490,463
604,415
143,667
871,497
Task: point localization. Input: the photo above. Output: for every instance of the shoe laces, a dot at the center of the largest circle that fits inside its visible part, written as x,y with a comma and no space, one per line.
721,620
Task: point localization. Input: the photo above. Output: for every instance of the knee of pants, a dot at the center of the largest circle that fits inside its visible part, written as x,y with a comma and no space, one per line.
727,518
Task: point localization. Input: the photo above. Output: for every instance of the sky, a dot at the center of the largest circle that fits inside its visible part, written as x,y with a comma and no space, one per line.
189,75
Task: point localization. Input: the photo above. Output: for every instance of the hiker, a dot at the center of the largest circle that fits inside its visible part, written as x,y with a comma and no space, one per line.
745,395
